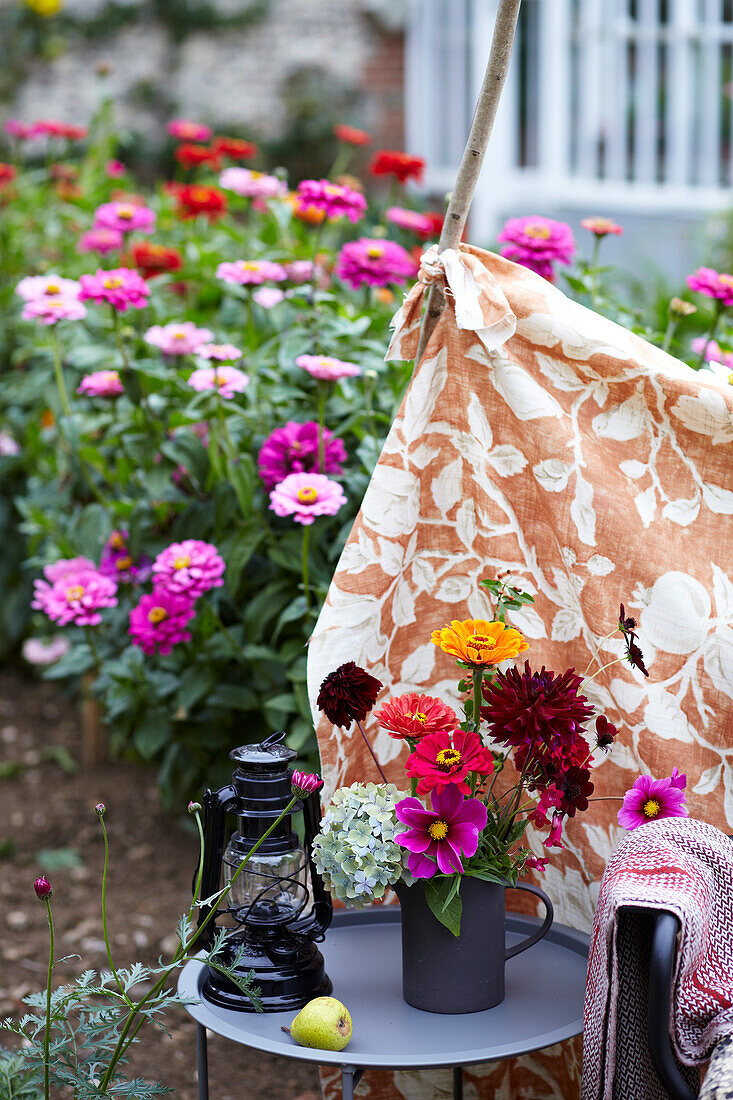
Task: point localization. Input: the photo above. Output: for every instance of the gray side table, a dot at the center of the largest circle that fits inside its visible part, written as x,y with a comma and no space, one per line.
544,1004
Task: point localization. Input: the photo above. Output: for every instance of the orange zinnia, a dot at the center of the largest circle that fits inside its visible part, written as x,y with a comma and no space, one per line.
479,642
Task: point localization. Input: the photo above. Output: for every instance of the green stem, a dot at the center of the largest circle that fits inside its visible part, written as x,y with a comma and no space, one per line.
123,1042
322,389
58,370
478,679
47,1032
118,338
236,648
304,565
669,333
341,162
713,328
594,269
615,661
107,946
93,648
598,647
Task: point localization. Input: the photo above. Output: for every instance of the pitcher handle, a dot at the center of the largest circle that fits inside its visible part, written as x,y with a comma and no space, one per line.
544,927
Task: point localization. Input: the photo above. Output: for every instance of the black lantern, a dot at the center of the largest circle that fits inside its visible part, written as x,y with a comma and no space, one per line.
268,906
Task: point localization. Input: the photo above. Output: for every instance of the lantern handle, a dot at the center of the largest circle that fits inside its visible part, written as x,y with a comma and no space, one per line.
315,924
215,812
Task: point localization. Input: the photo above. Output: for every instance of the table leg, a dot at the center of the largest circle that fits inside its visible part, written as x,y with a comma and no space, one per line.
350,1078
458,1083
202,1062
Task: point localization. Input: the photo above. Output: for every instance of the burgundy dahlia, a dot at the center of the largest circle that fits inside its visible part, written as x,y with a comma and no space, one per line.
537,707
348,694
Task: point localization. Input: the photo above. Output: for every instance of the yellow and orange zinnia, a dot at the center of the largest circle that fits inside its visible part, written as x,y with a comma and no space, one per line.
479,642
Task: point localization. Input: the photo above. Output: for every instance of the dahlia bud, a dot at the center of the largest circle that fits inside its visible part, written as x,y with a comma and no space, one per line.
43,888
304,784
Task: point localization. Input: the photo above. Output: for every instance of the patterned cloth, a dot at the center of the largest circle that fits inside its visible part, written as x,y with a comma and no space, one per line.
684,867
539,437
718,1084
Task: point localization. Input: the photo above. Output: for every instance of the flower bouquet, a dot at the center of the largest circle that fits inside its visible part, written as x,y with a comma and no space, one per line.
522,755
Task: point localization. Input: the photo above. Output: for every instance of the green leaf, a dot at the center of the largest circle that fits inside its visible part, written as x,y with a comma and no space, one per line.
444,901
234,697
151,734
195,683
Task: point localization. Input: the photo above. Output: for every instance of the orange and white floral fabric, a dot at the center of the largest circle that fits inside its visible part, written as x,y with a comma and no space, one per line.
539,437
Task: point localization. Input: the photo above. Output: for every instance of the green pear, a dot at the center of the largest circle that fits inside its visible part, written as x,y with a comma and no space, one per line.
324,1023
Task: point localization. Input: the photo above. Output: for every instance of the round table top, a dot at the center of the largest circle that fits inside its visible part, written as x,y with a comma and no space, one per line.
545,987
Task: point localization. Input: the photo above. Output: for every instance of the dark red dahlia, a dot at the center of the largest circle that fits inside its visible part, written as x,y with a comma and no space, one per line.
348,694
537,707
576,788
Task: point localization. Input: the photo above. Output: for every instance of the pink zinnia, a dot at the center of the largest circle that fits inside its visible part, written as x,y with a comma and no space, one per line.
713,284
713,351
537,243
191,567
326,368
333,199
227,380
16,128
121,287
178,338
250,272
51,310
159,621
601,227
305,496
115,169
301,271
100,240
268,296
411,220
220,353
374,263
75,598
294,450
47,286
438,838
650,799
253,185
414,716
125,217
64,567
448,758
101,383
45,651
186,130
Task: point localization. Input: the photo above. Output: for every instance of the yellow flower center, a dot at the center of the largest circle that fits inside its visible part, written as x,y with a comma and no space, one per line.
250,265
109,376
438,830
112,284
55,303
651,807
74,592
307,495
123,563
181,563
125,212
447,759
157,614
538,232
418,716
116,540
53,288
178,335
257,175
375,252
200,194
481,643
726,280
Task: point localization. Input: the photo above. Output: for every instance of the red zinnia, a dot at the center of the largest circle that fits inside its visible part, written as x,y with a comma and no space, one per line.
351,136
234,148
415,716
389,162
154,259
436,222
190,156
444,758
195,199
7,173
348,693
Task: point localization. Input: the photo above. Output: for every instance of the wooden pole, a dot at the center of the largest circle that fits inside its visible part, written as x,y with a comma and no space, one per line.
473,154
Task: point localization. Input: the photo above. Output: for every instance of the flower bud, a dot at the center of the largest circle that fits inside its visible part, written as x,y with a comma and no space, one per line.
304,784
678,307
194,807
43,888
101,809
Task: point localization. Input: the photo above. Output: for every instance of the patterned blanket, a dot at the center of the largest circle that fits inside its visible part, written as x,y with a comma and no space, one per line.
684,867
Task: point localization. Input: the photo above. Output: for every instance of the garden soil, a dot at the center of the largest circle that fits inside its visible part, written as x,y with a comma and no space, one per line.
48,825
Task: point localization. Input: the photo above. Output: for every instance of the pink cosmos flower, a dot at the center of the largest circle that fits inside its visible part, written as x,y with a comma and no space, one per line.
75,598
713,352
100,240
305,496
713,284
64,567
537,243
301,271
45,651
414,716
227,380
101,383
601,227
178,338
221,353
253,185
47,286
125,217
333,199
294,450
115,169
374,263
411,220
650,799
326,368
49,311
185,130
189,568
268,296
250,272
438,838
121,287
159,621
304,784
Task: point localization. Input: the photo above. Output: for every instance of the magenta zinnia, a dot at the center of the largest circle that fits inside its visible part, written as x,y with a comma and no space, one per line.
713,284
650,799
190,567
159,621
438,838
294,450
124,217
441,759
121,288
414,716
377,262
333,199
306,496
348,694
538,243
76,597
